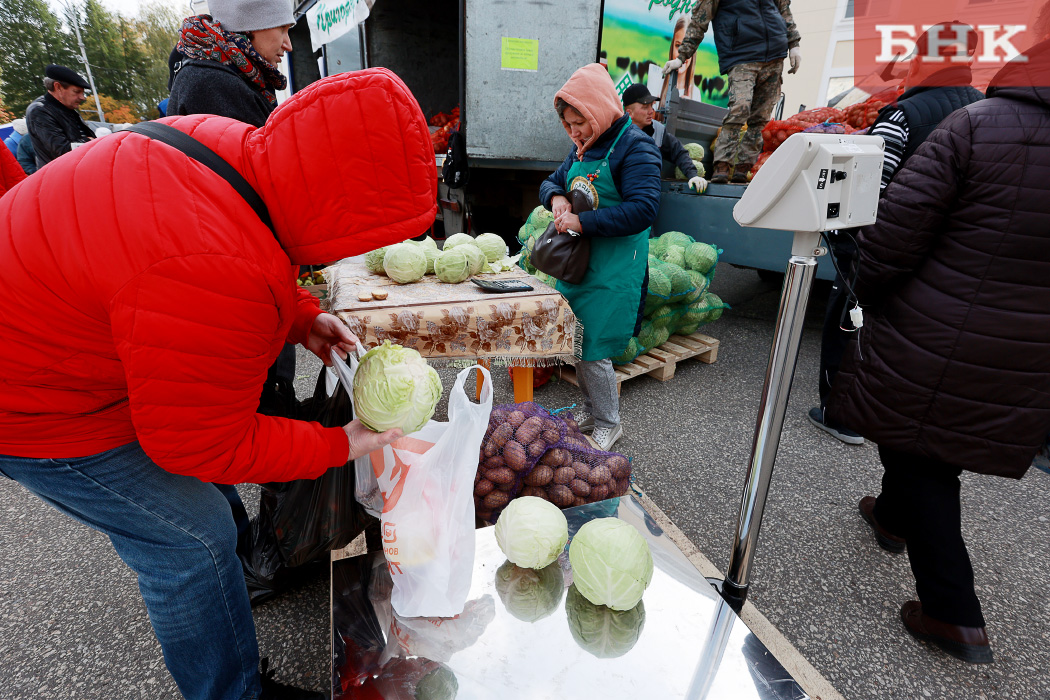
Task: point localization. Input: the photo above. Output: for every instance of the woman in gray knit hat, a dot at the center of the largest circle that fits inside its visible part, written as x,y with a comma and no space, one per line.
226,62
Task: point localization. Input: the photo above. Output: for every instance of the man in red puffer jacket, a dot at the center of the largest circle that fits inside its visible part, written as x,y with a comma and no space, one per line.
174,299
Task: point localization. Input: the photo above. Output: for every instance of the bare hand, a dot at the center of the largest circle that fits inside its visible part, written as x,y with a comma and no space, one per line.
560,205
568,222
329,332
363,441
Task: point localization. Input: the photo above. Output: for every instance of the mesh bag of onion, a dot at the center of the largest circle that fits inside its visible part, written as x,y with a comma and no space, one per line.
527,451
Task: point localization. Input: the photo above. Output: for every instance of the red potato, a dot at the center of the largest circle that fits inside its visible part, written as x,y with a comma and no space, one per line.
534,491
495,500
599,475
563,475
561,496
501,434
550,436
484,488
503,475
494,462
536,448
516,418
619,466
514,455
541,475
600,493
556,457
529,430
580,487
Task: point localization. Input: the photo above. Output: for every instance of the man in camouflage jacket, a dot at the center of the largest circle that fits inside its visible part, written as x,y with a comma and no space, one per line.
752,38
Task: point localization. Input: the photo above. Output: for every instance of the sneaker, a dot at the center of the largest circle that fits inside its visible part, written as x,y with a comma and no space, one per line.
272,690
816,417
586,424
607,437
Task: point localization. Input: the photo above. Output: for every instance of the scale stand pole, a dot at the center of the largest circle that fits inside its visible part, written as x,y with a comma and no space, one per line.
798,281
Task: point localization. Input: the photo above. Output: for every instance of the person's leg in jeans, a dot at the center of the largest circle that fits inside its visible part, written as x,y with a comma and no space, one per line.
597,380
923,507
177,534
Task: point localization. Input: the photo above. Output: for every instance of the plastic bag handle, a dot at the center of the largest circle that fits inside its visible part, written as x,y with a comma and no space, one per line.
459,400
341,373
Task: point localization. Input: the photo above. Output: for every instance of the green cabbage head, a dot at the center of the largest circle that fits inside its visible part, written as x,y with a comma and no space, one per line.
602,631
395,388
405,262
452,266
611,563
457,239
492,246
532,532
374,260
474,256
530,594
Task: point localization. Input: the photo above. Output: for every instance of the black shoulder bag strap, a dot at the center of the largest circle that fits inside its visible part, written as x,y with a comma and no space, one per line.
208,158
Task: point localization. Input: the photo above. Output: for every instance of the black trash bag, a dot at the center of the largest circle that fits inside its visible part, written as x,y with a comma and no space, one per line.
300,521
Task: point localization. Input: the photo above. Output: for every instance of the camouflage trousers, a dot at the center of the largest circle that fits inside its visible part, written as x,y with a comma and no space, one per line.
754,89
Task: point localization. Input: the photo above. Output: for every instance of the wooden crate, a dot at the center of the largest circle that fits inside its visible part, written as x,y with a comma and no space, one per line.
659,362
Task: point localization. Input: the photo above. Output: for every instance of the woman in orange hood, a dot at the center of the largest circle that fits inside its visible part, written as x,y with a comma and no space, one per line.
618,168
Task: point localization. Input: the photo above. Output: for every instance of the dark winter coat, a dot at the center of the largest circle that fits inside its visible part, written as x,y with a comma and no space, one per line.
635,168
209,87
671,150
953,362
54,128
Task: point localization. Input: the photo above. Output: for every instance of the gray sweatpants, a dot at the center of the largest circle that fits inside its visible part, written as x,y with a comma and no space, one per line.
598,383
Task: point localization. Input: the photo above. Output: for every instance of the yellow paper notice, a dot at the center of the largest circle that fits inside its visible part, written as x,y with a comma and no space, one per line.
520,54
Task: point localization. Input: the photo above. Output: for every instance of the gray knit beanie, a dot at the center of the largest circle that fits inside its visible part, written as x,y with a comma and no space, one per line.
251,15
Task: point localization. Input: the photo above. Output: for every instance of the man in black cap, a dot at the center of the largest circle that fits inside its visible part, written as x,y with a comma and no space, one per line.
53,121
638,102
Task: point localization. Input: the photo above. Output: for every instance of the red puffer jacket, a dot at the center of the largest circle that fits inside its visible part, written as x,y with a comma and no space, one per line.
142,299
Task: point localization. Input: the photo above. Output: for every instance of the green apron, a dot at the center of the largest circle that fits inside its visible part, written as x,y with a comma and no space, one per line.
608,299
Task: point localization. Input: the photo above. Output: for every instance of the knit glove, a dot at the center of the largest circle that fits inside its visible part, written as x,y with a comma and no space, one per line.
672,65
795,57
699,184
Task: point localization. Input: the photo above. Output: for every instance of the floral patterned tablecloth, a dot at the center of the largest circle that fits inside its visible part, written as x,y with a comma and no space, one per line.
454,324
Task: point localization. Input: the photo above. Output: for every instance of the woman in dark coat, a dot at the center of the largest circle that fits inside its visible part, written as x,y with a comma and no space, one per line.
951,372
226,63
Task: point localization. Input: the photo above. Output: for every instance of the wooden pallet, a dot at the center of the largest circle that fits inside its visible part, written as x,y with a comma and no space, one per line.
659,362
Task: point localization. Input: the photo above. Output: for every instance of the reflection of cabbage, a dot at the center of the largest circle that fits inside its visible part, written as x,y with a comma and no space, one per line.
405,262
452,266
457,239
374,260
492,246
395,388
602,631
474,256
611,563
532,532
439,684
530,594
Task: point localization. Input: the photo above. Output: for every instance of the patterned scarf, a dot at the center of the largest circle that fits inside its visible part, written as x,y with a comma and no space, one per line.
204,39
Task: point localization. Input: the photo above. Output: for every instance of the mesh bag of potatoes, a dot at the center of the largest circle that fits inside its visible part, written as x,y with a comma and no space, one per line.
530,452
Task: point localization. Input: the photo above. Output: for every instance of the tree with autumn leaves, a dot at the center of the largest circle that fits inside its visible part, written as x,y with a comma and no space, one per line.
129,56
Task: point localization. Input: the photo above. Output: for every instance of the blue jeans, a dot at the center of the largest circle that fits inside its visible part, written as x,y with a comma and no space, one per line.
177,534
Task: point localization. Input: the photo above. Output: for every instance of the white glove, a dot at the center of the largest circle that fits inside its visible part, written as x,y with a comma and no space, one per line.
795,57
699,184
672,65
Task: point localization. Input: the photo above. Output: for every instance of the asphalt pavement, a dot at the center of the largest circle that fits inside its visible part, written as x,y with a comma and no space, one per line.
72,624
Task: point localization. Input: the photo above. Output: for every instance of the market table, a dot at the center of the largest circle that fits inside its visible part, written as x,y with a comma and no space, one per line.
684,642
459,324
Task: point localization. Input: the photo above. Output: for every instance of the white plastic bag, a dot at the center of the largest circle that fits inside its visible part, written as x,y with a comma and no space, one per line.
425,483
